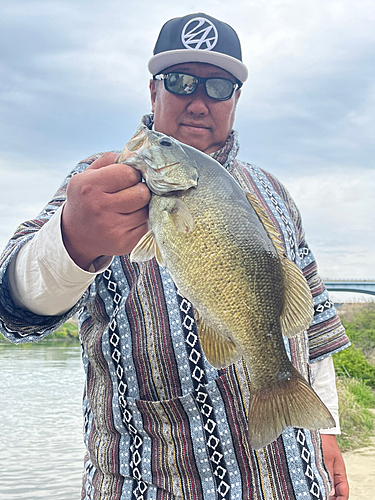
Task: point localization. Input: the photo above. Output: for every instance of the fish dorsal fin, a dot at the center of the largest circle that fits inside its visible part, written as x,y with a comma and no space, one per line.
182,217
146,249
298,309
267,223
218,351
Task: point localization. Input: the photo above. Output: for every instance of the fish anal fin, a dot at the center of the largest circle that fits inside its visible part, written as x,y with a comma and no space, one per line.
219,352
145,249
288,403
298,309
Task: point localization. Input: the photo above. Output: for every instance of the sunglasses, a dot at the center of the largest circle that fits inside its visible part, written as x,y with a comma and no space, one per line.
220,89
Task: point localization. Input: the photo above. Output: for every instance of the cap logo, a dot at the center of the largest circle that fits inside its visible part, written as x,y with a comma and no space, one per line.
200,34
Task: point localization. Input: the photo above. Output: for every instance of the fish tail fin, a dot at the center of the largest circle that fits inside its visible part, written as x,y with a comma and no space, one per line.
291,402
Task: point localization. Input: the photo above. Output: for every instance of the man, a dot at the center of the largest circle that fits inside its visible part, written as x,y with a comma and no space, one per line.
160,422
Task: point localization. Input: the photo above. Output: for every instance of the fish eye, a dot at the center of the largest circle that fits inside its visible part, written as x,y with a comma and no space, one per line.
165,142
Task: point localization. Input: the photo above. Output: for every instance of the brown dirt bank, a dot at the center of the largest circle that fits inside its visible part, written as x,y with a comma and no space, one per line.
360,467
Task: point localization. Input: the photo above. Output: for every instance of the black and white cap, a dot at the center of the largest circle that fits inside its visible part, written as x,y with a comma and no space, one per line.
198,38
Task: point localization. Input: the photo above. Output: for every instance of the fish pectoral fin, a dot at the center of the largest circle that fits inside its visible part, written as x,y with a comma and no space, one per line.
290,402
219,352
298,309
158,256
181,216
146,249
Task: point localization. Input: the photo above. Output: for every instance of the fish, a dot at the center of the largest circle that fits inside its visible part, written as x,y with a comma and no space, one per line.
225,256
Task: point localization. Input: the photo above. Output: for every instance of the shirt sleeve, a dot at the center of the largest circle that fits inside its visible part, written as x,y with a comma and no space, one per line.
44,279
324,384
326,334
17,323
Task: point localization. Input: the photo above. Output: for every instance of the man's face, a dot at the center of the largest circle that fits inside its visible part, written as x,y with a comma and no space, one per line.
196,119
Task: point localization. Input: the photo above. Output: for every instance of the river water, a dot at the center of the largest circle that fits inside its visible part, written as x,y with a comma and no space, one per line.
41,444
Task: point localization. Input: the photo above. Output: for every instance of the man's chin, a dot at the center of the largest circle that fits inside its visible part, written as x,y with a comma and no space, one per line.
196,138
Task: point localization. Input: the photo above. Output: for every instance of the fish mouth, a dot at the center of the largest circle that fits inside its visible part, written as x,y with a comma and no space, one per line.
161,169
140,139
137,143
158,182
161,186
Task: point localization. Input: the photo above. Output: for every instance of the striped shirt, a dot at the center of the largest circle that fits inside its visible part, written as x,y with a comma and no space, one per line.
159,421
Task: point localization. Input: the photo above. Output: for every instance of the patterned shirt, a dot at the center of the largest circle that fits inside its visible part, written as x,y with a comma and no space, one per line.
159,421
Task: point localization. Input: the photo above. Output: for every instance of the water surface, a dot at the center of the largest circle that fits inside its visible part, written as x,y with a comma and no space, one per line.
41,444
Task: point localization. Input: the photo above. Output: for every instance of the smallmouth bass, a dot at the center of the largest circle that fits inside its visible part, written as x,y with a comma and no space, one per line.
225,256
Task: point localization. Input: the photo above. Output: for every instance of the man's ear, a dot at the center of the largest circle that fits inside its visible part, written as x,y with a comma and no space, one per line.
153,94
238,93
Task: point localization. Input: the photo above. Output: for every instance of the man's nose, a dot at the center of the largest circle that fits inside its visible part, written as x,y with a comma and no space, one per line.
198,104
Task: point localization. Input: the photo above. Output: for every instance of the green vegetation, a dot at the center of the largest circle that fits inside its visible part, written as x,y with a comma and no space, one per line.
356,419
360,328
355,370
358,360
353,363
67,331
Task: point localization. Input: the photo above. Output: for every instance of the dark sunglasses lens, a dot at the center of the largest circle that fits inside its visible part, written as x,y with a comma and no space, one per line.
219,88
181,84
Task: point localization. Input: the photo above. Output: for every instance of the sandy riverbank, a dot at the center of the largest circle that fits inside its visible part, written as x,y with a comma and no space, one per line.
360,467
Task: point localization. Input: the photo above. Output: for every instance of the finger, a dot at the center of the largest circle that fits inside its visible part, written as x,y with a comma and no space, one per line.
126,240
129,200
119,176
135,235
109,179
106,159
130,222
341,488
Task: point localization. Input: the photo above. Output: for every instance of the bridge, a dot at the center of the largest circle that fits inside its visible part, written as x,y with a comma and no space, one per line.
358,286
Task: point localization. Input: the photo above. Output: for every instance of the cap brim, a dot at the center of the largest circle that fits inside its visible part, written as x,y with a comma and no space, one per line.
163,60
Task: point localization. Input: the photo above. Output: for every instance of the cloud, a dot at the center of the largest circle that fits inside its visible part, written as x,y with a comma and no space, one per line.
74,81
312,68
23,193
338,208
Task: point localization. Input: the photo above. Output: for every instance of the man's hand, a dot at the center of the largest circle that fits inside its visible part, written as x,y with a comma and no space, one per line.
336,467
106,211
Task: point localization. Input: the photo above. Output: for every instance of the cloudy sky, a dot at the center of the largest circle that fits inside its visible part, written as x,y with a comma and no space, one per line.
74,81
